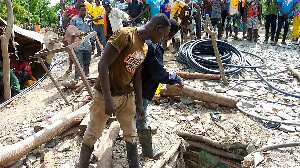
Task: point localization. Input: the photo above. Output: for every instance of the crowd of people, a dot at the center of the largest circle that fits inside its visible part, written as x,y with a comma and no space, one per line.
135,35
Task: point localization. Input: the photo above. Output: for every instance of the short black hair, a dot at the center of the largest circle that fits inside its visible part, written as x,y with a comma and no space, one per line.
175,26
81,6
161,19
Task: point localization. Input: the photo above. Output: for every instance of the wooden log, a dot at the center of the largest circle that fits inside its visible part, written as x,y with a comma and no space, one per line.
103,153
11,153
215,151
196,75
71,85
161,162
209,141
294,71
197,94
173,161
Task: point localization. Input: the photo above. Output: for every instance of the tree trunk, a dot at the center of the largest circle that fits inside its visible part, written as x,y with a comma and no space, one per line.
201,95
11,153
103,153
4,47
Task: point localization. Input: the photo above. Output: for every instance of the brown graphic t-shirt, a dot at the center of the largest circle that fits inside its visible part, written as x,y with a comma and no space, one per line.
132,52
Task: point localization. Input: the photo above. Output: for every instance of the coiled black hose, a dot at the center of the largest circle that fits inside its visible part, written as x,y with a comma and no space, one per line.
199,55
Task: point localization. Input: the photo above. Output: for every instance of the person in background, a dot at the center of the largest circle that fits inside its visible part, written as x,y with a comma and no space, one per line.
122,5
296,22
14,82
216,18
119,75
198,18
207,8
71,11
176,7
165,8
233,10
243,16
153,73
224,17
135,11
153,7
254,17
187,17
97,14
113,19
22,70
271,12
286,8
83,52
88,5
59,13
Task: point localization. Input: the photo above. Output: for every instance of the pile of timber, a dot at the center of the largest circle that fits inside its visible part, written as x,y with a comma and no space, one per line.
202,147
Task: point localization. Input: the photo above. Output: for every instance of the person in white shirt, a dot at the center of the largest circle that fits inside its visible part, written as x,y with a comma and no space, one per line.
113,18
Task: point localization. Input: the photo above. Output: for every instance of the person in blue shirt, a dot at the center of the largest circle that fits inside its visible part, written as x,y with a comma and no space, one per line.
83,52
286,8
153,7
166,8
153,73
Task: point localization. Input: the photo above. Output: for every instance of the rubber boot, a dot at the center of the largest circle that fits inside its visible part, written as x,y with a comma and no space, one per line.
250,34
86,70
255,35
85,155
146,143
132,155
176,46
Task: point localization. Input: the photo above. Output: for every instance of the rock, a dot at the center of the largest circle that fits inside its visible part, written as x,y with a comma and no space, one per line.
64,147
186,100
190,118
50,144
182,118
287,128
171,124
66,165
258,158
31,158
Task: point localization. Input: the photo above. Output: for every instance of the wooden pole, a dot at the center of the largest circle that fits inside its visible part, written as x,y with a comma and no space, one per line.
161,162
4,47
103,153
11,153
216,50
195,75
294,71
201,95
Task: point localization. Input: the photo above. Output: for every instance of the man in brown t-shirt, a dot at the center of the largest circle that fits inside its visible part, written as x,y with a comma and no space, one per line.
120,74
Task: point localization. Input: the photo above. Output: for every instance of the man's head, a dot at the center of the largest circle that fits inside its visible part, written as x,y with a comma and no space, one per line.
106,5
158,27
62,3
78,3
82,11
121,1
90,1
97,2
175,27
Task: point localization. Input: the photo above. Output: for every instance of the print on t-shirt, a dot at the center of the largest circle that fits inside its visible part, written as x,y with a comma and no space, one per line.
133,61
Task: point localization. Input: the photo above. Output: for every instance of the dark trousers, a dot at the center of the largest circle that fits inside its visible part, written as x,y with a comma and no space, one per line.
286,23
270,22
217,22
223,15
198,26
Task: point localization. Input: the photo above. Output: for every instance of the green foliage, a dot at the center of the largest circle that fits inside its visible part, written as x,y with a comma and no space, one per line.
31,11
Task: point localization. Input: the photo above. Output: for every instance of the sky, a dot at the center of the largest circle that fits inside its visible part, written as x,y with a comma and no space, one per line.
53,2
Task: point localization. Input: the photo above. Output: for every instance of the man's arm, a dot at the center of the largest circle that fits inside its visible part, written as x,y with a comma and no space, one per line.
109,56
142,7
294,6
280,8
137,85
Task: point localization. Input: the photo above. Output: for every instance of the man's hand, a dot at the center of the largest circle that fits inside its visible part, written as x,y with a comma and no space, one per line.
110,107
180,85
141,112
285,15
